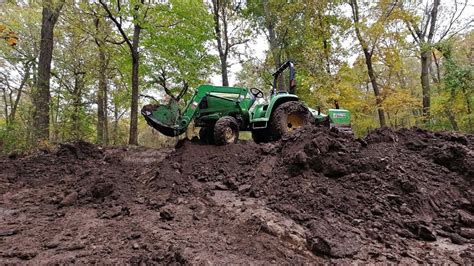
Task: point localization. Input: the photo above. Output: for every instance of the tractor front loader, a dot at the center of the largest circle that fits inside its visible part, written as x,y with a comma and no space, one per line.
222,112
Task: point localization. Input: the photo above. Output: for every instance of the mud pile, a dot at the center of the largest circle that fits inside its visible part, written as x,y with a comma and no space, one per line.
315,196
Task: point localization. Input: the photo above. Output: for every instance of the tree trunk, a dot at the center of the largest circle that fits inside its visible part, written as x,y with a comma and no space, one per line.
133,46
5,106
76,104
425,82
276,53
55,120
34,76
375,87
101,95
225,79
368,62
216,7
133,136
452,119
425,48
326,41
102,136
20,91
41,96
106,120
115,129
273,41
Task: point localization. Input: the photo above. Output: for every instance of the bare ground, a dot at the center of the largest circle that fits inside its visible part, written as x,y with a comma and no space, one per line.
316,196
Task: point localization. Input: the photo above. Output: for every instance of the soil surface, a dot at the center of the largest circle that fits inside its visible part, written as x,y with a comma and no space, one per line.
316,196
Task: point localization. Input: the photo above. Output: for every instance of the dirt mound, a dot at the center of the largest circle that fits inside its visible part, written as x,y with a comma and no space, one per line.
452,150
366,198
372,198
79,150
315,196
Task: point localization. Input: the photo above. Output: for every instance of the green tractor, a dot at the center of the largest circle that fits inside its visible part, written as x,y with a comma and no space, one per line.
221,112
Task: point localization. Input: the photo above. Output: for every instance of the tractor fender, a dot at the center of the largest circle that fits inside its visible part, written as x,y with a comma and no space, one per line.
277,101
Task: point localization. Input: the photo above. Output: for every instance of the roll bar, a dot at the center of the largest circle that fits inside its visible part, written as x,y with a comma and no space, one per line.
292,86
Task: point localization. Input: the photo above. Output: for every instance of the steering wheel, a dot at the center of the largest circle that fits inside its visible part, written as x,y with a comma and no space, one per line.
256,92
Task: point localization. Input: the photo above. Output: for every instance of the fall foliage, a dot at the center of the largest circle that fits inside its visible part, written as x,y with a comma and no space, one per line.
79,69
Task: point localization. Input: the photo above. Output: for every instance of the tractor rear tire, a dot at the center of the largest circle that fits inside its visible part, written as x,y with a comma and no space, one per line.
261,136
288,117
226,130
206,135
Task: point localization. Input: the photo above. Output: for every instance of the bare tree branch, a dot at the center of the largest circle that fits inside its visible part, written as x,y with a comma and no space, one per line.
117,23
384,19
434,16
454,18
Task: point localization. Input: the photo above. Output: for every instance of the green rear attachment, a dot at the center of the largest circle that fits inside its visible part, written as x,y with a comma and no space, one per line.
340,119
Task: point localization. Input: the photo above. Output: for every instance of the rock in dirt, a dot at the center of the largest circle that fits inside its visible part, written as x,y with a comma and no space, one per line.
425,233
231,183
69,200
51,245
244,188
9,232
79,150
333,239
114,212
466,218
101,188
421,231
21,254
456,238
467,232
74,246
167,214
404,209
318,245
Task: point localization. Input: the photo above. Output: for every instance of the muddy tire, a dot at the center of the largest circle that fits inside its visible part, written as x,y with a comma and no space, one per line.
226,130
261,135
206,135
288,117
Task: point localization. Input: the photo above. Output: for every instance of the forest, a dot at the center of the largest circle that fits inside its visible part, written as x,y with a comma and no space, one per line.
81,70
120,123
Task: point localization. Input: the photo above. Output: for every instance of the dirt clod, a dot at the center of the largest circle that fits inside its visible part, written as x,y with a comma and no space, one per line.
466,218
314,197
425,233
467,232
101,188
70,199
167,214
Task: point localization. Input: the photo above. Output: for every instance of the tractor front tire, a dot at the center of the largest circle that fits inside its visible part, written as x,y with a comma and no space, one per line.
206,135
226,130
261,135
288,117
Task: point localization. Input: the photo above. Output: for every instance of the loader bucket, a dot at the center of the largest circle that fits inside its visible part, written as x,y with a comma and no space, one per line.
164,118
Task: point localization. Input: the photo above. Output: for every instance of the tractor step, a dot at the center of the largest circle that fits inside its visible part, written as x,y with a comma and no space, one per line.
259,125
